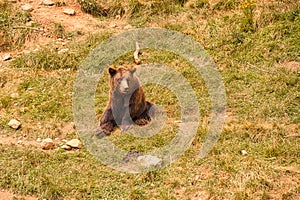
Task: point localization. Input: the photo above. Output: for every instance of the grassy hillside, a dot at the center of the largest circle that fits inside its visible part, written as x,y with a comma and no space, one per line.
255,45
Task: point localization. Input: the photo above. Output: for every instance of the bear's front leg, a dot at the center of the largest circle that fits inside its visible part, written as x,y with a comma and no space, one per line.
126,120
107,124
125,125
147,115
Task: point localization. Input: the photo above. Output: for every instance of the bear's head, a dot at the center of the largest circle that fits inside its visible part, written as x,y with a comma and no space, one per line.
123,80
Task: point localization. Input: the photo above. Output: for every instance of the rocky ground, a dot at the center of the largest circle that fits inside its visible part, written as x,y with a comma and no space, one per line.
46,13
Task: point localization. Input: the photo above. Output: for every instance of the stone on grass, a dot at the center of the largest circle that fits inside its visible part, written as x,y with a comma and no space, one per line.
66,147
48,2
15,95
6,57
74,143
69,11
113,25
63,51
47,144
244,152
15,124
128,26
149,160
27,7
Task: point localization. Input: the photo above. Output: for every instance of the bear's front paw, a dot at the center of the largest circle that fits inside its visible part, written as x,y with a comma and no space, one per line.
100,133
141,122
124,127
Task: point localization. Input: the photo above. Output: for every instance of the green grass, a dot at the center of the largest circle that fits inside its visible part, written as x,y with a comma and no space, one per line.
262,103
48,58
102,8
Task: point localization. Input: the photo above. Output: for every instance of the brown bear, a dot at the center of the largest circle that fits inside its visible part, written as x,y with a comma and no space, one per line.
127,104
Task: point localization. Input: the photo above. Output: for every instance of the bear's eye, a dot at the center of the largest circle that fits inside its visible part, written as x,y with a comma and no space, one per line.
119,80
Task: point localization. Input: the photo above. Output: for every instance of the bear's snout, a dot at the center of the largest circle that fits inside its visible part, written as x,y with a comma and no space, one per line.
124,87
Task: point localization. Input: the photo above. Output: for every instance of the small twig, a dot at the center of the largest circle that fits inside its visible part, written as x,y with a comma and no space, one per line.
291,136
253,66
137,60
27,27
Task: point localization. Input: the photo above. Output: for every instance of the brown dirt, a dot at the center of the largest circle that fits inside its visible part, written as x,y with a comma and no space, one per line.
46,16
21,141
6,195
291,65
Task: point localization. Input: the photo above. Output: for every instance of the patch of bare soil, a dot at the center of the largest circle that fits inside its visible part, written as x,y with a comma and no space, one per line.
291,65
6,195
285,183
7,140
80,25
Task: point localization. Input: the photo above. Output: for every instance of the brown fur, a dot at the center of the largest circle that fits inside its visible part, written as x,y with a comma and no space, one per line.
127,104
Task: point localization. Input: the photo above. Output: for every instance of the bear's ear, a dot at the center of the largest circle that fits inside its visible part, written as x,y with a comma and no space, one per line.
112,71
132,70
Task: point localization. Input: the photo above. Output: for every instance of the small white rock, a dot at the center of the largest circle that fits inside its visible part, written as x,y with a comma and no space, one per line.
15,124
63,51
244,152
39,140
66,147
15,95
128,26
19,142
69,11
6,57
27,7
48,2
47,144
74,143
149,160
113,25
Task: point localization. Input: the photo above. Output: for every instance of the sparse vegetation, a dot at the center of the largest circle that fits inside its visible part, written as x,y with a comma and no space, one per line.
60,3
92,7
11,36
256,49
59,31
102,9
227,4
248,11
50,59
